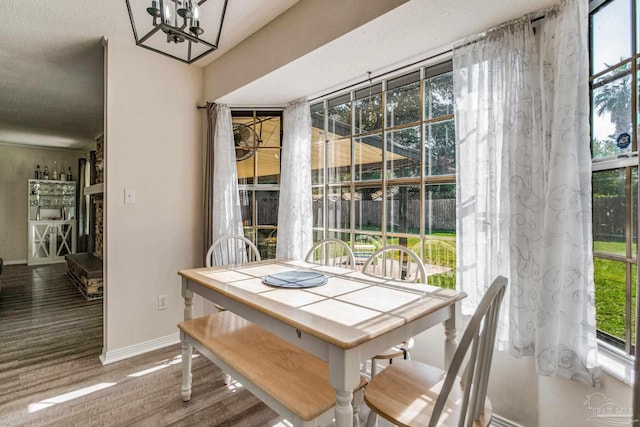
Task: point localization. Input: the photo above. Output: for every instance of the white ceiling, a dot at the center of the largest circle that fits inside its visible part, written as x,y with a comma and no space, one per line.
413,31
51,85
51,63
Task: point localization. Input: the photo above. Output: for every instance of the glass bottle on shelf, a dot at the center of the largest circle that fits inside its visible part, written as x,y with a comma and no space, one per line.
55,170
38,173
69,177
63,175
45,174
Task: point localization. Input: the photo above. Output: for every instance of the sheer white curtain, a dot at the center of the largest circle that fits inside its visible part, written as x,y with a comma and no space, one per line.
524,185
295,219
222,200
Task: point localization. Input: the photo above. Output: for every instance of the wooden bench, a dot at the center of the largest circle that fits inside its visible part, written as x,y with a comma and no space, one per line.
289,380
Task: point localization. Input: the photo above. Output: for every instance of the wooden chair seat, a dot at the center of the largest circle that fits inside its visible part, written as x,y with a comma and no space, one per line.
400,350
265,364
411,403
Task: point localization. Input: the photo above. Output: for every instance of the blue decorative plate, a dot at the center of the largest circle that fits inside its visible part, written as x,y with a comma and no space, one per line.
295,279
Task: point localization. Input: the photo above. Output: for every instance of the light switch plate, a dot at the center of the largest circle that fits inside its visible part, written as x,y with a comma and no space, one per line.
162,302
129,196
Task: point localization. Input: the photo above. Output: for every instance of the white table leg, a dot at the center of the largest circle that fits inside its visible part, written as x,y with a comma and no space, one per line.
187,349
344,410
450,333
344,376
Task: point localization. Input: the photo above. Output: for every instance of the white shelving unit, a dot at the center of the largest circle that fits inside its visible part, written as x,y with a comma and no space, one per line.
52,223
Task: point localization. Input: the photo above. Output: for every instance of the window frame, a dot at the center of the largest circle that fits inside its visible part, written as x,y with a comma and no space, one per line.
253,230
328,189
626,162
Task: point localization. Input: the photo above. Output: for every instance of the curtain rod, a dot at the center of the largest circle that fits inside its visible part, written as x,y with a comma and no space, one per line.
370,78
395,70
258,109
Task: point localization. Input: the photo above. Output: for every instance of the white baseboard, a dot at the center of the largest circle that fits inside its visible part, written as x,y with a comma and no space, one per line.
497,421
15,261
136,349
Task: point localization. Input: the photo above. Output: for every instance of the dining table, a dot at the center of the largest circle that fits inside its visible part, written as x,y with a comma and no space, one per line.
344,319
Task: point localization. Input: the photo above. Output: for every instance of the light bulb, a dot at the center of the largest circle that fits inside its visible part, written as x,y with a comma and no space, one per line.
196,12
168,14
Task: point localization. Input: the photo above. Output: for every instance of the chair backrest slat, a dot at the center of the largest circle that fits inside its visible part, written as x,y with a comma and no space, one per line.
480,335
332,252
396,262
491,326
231,250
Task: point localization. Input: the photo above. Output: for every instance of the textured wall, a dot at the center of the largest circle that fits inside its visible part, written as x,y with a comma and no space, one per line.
17,165
153,146
305,27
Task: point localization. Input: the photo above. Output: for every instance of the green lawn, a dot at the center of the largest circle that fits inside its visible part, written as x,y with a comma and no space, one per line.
441,253
616,248
610,287
609,278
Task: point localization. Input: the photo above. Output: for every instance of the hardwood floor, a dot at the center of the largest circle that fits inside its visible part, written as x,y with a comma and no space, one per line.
50,375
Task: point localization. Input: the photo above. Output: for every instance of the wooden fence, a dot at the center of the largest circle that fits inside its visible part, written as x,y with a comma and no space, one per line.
440,215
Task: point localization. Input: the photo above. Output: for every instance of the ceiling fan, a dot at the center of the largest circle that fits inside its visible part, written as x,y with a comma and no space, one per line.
246,141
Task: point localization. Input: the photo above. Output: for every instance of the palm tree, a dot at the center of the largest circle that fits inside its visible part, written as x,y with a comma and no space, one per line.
615,98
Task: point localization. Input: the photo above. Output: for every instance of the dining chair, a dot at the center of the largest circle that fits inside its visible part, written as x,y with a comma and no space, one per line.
393,393
332,252
399,263
231,250
396,262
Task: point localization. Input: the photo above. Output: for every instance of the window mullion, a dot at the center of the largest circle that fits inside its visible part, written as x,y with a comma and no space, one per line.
383,103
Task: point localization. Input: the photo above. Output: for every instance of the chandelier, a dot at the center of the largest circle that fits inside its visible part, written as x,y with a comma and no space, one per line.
185,30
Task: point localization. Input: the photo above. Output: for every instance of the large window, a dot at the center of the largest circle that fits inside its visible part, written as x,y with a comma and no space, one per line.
258,136
614,115
383,168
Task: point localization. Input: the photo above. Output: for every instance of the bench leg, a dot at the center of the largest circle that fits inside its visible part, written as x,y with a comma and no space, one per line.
187,351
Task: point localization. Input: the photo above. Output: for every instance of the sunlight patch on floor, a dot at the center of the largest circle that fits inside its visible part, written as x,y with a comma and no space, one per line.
160,365
43,404
283,423
234,386
34,407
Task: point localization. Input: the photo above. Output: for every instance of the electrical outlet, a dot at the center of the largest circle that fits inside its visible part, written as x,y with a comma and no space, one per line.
162,302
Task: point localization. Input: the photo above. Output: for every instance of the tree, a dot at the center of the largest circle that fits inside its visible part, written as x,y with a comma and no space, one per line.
614,98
